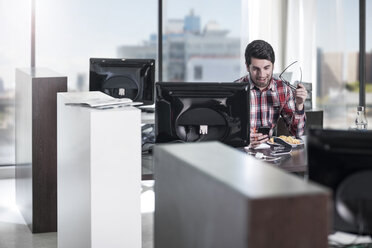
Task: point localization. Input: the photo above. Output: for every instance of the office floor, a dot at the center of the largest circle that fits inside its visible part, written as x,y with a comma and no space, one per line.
15,234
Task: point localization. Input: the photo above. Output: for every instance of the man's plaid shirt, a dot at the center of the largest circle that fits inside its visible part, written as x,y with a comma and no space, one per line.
276,99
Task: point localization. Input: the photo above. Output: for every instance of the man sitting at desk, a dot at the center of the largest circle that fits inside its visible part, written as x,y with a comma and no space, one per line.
271,97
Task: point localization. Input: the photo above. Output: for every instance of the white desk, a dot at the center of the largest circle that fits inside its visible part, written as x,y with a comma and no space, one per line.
99,176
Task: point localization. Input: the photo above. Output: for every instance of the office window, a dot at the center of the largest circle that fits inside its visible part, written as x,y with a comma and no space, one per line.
207,35
14,53
337,33
70,32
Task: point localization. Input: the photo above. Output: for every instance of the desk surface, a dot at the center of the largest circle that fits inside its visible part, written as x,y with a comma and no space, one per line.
296,162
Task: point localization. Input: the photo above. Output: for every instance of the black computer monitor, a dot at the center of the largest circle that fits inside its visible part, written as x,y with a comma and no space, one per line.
124,78
194,112
342,160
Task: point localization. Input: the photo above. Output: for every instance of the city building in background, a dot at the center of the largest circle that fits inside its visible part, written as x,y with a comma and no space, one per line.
191,53
338,86
330,67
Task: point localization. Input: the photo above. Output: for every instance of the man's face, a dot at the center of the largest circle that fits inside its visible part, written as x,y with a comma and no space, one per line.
261,71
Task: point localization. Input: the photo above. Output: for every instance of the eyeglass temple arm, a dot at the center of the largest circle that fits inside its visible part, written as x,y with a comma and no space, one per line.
288,67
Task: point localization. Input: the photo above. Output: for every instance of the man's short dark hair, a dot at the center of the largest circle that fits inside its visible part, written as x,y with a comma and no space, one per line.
259,49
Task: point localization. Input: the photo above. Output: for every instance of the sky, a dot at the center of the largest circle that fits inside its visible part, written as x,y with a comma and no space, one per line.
341,31
15,38
117,22
331,17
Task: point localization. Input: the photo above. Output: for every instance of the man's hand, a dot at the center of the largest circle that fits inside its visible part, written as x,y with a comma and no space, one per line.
300,95
257,138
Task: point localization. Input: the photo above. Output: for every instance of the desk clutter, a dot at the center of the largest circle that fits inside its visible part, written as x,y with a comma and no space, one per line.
277,149
287,139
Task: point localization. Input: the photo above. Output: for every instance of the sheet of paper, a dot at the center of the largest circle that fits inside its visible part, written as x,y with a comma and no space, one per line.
97,99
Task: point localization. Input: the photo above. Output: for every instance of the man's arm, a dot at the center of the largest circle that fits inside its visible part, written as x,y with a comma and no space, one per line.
294,111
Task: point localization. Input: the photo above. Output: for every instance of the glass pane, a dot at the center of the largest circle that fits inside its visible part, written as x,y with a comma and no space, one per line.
72,31
14,53
369,62
337,61
201,40
292,74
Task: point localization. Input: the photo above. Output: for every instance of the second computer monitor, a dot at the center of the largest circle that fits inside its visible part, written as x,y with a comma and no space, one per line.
124,78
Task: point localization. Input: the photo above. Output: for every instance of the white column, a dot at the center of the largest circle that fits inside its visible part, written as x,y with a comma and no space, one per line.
301,39
264,20
99,176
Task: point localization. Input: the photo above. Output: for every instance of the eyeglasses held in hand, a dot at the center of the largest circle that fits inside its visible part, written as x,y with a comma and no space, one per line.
285,81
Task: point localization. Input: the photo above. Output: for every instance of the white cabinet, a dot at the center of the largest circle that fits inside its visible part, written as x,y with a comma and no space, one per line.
99,175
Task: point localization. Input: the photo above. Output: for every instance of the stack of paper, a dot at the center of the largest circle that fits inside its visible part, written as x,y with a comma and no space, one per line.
96,99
